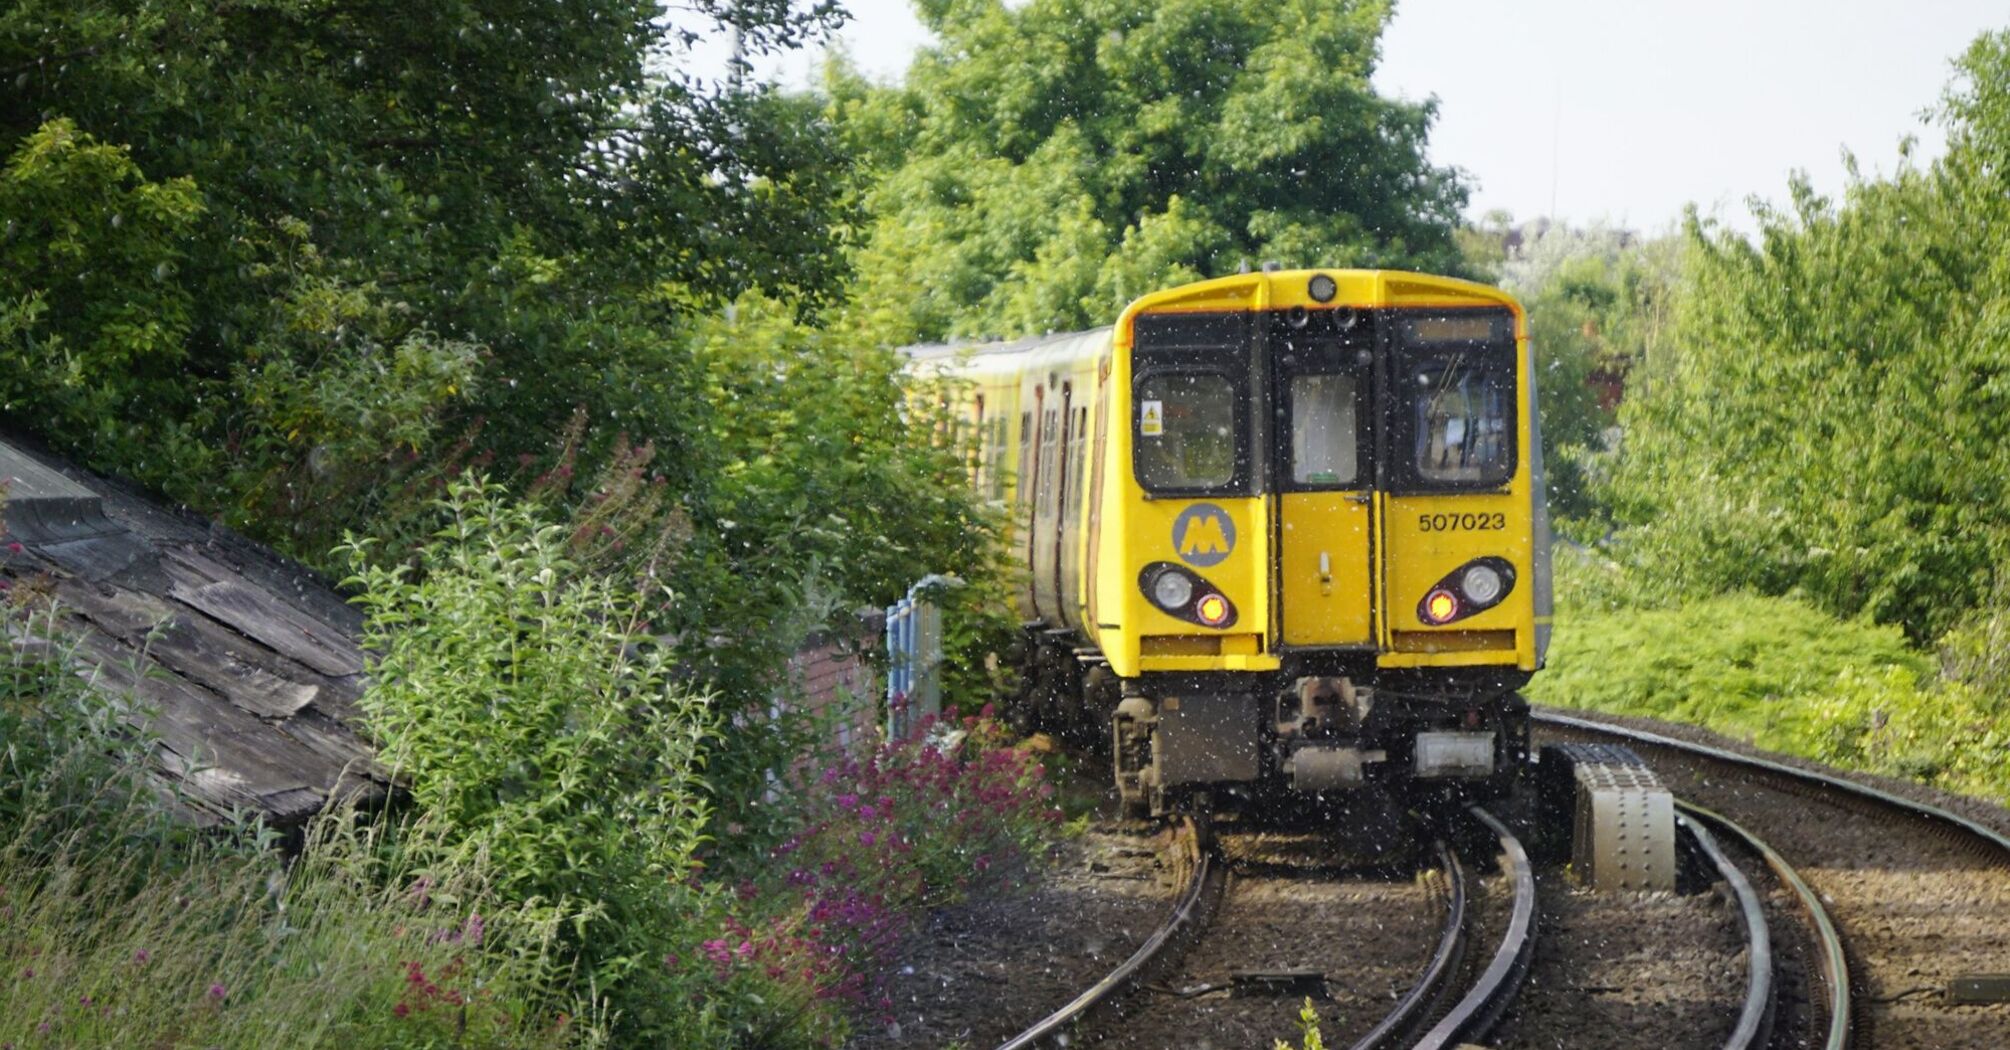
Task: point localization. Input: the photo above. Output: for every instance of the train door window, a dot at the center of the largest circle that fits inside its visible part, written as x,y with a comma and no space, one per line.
1325,430
994,457
1043,498
1081,447
1456,404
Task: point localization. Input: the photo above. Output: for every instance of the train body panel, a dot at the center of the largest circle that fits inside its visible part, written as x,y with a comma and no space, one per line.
1320,485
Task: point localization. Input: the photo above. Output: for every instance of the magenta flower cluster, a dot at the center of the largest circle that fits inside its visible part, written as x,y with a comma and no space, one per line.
881,836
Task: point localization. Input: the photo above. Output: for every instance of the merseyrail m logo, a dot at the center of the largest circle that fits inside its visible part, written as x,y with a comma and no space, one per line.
1203,535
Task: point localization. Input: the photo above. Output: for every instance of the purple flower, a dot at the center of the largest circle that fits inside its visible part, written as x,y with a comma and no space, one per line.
143,957
865,838
216,991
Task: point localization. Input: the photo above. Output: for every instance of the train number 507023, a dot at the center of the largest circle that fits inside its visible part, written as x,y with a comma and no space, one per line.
1460,522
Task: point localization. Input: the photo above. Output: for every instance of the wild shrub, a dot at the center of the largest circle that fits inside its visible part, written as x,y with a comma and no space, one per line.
538,723
1784,675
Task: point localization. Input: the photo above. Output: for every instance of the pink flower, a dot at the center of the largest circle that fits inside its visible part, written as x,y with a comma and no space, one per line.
143,957
15,548
400,1010
216,991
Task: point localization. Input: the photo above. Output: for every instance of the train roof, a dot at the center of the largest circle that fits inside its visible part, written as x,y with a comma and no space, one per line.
1275,289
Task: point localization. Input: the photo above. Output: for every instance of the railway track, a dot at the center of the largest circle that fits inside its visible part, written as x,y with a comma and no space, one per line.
1453,996
1822,966
1890,904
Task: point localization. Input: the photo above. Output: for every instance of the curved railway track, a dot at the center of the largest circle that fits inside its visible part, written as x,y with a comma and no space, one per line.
1805,981
1424,1016
1199,894
1889,924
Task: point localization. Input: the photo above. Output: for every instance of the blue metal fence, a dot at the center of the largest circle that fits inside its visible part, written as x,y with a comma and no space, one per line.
914,656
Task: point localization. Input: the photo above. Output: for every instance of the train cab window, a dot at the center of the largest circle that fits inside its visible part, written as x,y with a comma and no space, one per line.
1186,431
1325,430
1458,380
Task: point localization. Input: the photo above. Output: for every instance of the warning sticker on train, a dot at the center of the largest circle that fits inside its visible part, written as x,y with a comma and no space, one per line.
1152,418
1203,535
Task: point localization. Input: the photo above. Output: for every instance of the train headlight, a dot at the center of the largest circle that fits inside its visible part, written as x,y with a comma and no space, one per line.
1468,590
1213,610
1172,590
1322,288
1482,584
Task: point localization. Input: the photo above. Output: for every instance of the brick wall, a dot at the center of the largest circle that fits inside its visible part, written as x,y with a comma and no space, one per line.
833,676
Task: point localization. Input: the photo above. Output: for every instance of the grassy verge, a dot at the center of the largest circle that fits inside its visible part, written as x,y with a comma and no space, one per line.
1783,675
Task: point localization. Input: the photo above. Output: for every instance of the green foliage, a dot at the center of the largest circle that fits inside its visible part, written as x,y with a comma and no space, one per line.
525,709
1743,664
71,769
120,926
1598,302
1046,163
1831,409
1779,673
375,225
538,723
92,315
229,948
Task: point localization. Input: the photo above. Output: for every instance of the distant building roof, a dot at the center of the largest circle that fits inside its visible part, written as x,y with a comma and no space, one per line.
248,662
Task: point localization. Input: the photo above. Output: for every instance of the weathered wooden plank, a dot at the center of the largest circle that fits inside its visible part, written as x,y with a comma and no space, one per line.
245,673
218,592
222,755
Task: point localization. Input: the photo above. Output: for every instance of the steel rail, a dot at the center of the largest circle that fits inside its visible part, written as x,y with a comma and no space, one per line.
1998,843
1205,876
1755,1018
1834,963
1475,1015
1397,1025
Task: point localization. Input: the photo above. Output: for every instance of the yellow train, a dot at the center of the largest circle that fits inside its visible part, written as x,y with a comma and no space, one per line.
1282,531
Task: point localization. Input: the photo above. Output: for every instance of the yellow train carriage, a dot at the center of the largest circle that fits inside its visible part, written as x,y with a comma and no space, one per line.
1280,530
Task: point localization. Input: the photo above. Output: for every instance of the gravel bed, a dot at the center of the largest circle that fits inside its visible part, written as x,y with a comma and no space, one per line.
1914,909
1294,902
1667,969
978,973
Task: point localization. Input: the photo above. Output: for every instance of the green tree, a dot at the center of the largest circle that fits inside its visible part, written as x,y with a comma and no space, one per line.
1046,163
1833,413
1597,303
370,224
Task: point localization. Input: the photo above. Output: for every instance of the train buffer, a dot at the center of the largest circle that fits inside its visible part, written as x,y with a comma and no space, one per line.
1622,819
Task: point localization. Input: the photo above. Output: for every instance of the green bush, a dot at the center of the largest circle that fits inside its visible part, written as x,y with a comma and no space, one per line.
1779,673
1744,665
534,719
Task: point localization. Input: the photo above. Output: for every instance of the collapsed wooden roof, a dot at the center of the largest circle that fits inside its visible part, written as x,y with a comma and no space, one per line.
246,665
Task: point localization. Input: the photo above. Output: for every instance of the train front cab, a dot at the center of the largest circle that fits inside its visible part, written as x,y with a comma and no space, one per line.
1333,554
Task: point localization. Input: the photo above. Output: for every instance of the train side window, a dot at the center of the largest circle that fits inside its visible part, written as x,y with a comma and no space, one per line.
1186,431
1325,429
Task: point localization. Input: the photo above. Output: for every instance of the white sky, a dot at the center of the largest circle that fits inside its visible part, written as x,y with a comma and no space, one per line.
1625,110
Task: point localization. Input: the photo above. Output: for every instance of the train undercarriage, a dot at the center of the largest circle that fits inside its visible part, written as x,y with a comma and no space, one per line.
1326,723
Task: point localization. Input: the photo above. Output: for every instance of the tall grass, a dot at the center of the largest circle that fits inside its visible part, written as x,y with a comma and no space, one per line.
122,928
